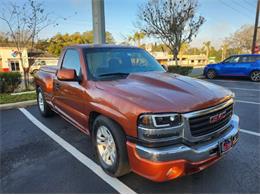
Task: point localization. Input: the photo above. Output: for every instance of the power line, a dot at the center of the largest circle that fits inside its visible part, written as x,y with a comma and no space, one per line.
242,6
249,3
234,9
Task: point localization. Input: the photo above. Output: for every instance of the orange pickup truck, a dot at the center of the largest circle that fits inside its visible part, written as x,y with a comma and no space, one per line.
142,119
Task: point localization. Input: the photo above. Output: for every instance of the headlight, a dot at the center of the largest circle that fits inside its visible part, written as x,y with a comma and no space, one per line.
155,127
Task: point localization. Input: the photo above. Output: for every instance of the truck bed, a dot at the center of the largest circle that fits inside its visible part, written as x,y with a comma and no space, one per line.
49,69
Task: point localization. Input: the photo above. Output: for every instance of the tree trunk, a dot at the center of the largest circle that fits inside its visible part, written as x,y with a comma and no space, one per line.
175,56
25,72
25,77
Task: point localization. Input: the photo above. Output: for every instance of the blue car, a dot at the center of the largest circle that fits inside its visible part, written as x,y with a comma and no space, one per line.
246,65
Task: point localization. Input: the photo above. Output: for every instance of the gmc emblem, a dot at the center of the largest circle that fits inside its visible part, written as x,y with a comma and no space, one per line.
216,118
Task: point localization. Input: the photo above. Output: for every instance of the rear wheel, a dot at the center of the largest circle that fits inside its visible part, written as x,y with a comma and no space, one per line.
255,76
211,74
110,146
42,104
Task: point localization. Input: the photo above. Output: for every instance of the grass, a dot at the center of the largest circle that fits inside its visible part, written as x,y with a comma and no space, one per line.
7,98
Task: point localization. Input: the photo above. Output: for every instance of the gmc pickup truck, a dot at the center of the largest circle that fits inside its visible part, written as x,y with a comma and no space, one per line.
159,125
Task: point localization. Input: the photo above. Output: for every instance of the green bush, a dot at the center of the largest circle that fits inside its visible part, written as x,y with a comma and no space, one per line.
183,70
9,81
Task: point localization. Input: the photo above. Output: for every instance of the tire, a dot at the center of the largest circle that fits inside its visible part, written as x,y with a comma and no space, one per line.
42,104
211,74
255,76
120,165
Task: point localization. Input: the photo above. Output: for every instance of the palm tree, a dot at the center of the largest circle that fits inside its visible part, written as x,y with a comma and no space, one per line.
183,49
206,47
138,37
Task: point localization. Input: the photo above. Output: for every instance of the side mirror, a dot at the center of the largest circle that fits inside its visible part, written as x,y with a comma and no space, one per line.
67,75
164,67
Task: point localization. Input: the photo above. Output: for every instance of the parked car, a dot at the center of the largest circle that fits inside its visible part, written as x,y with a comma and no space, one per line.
39,63
246,65
159,125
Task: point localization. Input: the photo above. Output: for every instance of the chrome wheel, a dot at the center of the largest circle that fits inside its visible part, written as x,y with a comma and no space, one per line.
41,102
255,76
106,145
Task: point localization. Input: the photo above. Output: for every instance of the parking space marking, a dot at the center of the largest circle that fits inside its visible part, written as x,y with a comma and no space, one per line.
113,182
243,89
232,81
247,102
250,132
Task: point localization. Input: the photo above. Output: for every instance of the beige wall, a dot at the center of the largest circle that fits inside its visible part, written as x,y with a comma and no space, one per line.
7,57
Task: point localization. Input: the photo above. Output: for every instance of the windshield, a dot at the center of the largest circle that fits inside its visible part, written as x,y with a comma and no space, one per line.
118,62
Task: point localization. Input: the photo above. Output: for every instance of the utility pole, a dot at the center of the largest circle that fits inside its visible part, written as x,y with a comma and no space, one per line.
256,26
98,17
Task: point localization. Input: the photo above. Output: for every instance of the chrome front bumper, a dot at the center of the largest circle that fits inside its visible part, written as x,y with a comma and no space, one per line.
198,152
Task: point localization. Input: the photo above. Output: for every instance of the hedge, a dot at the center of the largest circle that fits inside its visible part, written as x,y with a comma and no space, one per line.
183,70
9,81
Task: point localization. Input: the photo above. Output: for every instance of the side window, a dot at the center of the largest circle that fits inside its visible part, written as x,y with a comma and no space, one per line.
248,58
71,60
227,60
235,59
257,57
243,59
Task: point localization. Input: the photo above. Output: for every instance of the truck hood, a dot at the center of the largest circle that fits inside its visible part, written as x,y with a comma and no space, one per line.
166,92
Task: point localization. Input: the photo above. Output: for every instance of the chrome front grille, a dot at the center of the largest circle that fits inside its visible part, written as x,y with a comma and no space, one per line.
210,120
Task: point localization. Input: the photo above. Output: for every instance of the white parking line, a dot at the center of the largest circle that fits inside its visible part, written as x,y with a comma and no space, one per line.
250,132
232,81
243,89
113,182
247,102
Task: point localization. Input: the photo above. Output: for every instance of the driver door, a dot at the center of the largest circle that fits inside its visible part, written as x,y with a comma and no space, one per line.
68,94
229,66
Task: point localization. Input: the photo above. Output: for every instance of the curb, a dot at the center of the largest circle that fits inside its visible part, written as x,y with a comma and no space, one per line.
18,104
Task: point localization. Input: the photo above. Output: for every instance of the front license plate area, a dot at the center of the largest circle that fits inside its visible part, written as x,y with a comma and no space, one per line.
225,146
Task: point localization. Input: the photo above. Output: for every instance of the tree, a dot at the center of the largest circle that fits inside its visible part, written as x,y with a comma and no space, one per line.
183,49
4,40
59,41
137,38
207,47
242,38
25,22
172,21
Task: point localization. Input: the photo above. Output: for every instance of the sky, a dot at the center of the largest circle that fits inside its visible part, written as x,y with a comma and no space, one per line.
223,17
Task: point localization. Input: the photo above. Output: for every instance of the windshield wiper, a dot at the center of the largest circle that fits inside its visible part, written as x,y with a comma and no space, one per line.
114,74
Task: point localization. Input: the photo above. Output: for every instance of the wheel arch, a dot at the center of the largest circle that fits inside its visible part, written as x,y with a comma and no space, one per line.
92,117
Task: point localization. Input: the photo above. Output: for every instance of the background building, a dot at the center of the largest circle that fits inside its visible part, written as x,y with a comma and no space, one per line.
10,60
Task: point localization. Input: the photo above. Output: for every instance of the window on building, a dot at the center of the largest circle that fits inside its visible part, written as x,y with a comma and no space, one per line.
15,66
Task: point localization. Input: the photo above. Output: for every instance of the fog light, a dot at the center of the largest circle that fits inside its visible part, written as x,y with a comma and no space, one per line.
175,172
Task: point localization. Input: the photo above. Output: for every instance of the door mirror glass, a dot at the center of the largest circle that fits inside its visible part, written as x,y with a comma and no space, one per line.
67,75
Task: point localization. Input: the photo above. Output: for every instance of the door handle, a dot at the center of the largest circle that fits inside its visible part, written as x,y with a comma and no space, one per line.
57,85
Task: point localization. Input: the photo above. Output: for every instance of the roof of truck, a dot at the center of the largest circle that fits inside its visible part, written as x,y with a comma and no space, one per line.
102,46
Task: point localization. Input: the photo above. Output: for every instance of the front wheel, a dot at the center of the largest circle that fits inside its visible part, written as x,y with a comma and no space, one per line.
211,74
110,146
255,76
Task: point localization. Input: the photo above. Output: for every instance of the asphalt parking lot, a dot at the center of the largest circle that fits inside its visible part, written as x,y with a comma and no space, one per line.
40,155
